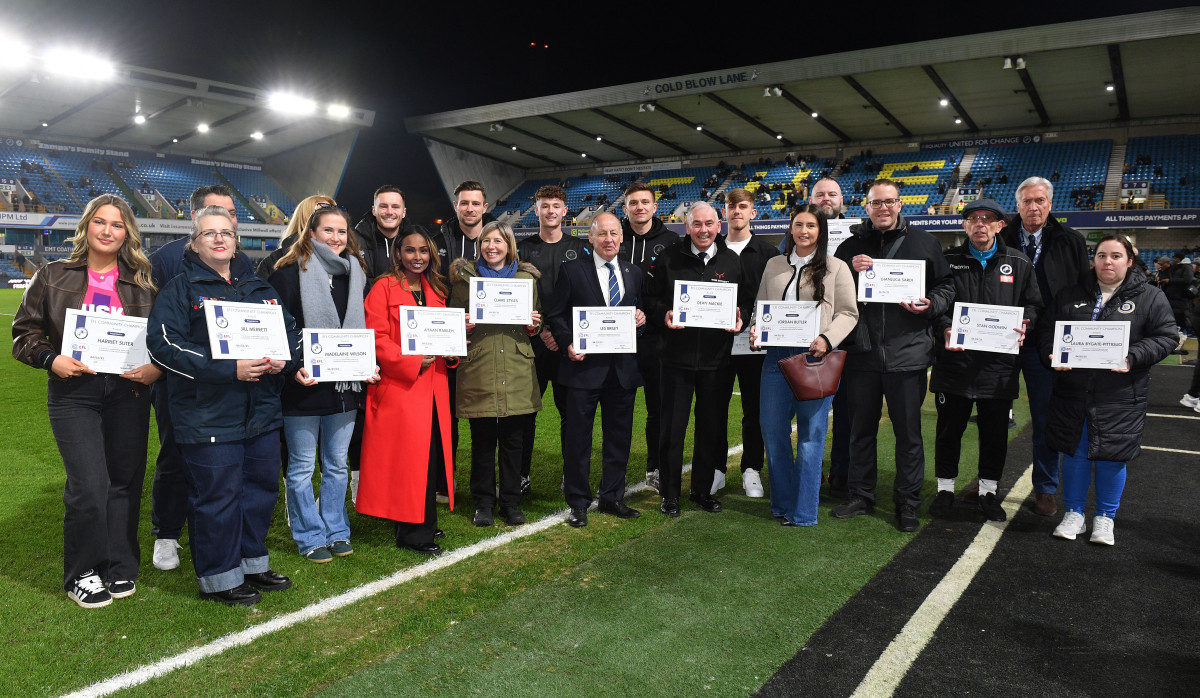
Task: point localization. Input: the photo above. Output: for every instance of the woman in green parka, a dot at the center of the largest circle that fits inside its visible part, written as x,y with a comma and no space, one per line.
497,387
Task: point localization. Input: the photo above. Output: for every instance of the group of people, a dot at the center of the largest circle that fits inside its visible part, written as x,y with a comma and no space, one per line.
227,426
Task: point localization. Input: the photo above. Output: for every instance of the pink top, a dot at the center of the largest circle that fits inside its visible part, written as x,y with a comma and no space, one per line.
101,293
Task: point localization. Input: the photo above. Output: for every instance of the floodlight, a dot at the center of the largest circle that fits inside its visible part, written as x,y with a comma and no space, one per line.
778,91
583,155
1020,63
338,111
778,136
699,127
958,121
257,135
514,147
45,125
174,140
16,53
813,115
1007,63
598,138
290,103
944,102
1108,86
139,119
77,64
202,128
767,91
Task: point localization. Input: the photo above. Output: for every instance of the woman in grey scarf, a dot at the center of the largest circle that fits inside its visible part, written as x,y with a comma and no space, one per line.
320,282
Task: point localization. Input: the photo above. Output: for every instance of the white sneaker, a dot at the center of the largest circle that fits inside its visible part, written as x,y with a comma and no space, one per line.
88,591
652,480
718,482
166,555
1102,531
1072,525
354,487
752,483
1189,401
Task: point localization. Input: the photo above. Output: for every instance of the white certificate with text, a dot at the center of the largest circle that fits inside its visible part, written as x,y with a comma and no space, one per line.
788,323
501,301
246,330
604,329
705,304
982,327
339,355
105,343
433,331
892,281
839,232
1090,344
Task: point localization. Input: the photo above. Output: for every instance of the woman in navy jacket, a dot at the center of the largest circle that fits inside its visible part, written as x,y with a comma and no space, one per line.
226,414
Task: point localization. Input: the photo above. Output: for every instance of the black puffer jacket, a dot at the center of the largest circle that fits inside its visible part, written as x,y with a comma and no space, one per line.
888,338
1114,404
1063,261
453,244
376,248
1007,280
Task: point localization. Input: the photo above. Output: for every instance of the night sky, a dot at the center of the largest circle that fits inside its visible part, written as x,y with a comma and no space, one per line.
403,61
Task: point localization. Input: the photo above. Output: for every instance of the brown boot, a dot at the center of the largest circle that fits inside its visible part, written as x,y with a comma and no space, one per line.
1044,504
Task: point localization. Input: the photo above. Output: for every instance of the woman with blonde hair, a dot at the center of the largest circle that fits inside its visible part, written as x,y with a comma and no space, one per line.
100,421
293,232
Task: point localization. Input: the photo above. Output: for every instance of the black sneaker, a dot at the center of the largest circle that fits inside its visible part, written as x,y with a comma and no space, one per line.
121,589
88,591
943,504
513,516
857,506
483,517
989,504
906,518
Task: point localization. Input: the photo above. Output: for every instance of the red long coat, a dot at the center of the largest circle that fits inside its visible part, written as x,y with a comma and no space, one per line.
396,437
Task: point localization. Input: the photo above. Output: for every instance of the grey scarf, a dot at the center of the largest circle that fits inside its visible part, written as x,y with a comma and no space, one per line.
316,296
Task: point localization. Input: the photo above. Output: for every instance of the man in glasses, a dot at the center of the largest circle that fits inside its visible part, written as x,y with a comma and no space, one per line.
169,493
988,271
888,354
1059,256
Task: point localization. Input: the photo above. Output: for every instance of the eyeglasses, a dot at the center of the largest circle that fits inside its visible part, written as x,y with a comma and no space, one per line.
326,204
218,234
880,203
982,219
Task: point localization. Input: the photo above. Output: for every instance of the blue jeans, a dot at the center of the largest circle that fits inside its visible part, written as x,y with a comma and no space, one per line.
311,528
795,479
232,488
1038,382
1077,477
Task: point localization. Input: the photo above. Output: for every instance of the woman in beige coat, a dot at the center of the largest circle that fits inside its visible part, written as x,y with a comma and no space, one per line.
805,272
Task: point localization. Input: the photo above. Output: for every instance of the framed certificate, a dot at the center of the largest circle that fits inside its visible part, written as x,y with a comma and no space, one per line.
604,330
501,301
1103,344
982,327
892,281
788,323
839,232
105,343
339,355
433,331
705,304
246,330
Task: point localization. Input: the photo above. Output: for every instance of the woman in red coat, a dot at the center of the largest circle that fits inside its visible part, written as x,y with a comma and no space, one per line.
406,440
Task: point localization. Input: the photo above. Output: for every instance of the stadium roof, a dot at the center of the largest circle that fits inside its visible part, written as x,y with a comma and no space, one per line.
1103,72
39,101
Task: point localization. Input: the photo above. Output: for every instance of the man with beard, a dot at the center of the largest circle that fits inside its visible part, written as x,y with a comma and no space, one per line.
379,231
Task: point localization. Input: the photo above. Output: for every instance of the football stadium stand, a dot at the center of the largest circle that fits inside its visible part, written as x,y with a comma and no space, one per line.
1169,163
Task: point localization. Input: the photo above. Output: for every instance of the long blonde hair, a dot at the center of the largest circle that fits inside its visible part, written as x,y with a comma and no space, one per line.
303,212
131,253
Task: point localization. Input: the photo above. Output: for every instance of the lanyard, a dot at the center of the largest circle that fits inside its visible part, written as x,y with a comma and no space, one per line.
1099,303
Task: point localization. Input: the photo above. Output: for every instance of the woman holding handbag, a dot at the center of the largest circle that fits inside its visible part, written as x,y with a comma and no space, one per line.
805,272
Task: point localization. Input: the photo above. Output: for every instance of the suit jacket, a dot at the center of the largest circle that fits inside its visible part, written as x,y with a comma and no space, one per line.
578,285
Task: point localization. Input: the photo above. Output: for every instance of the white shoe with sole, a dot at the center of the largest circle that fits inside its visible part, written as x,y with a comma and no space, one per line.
652,480
718,482
166,553
752,483
88,591
1102,531
1189,401
1072,525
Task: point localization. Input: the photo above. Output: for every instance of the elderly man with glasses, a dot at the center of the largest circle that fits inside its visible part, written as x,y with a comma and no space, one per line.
888,354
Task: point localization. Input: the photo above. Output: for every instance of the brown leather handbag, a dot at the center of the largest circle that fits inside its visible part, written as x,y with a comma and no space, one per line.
813,380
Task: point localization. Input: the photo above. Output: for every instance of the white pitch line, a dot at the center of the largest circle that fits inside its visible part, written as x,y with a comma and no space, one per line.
1170,450
1173,416
898,657
162,667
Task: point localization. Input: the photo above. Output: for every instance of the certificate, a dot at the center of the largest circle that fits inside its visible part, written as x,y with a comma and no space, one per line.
246,330
892,281
839,232
1090,344
983,327
788,323
604,330
433,331
705,304
501,301
339,355
741,345
105,343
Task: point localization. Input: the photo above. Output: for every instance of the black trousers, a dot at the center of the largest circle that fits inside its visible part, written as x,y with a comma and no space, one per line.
904,392
839,452
546,364
953,412
650,369
712,391
169,491
748,369
488,434
578,417
421,533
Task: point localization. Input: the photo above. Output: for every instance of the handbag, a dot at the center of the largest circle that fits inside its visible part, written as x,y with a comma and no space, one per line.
813,380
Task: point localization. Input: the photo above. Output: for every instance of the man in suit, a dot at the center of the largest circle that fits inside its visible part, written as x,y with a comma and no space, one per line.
608,380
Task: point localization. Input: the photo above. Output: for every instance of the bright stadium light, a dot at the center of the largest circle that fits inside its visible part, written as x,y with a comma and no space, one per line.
202,128
958,121
338,111
598,138
139,119
77,64
813,115
290,103
16,52
257,135
174,140
583,155
944,102
778,136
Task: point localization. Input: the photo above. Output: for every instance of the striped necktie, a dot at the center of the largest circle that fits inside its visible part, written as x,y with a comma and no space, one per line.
614,289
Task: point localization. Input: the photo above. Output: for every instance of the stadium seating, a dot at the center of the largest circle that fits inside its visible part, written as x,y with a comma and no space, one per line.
251,183
1080,164
920,190
1178,157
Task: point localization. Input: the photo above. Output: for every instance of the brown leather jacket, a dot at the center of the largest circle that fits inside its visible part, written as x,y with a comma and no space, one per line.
38,326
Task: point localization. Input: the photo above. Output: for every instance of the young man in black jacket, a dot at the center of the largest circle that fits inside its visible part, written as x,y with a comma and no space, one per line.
379,231
695,361
888,355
